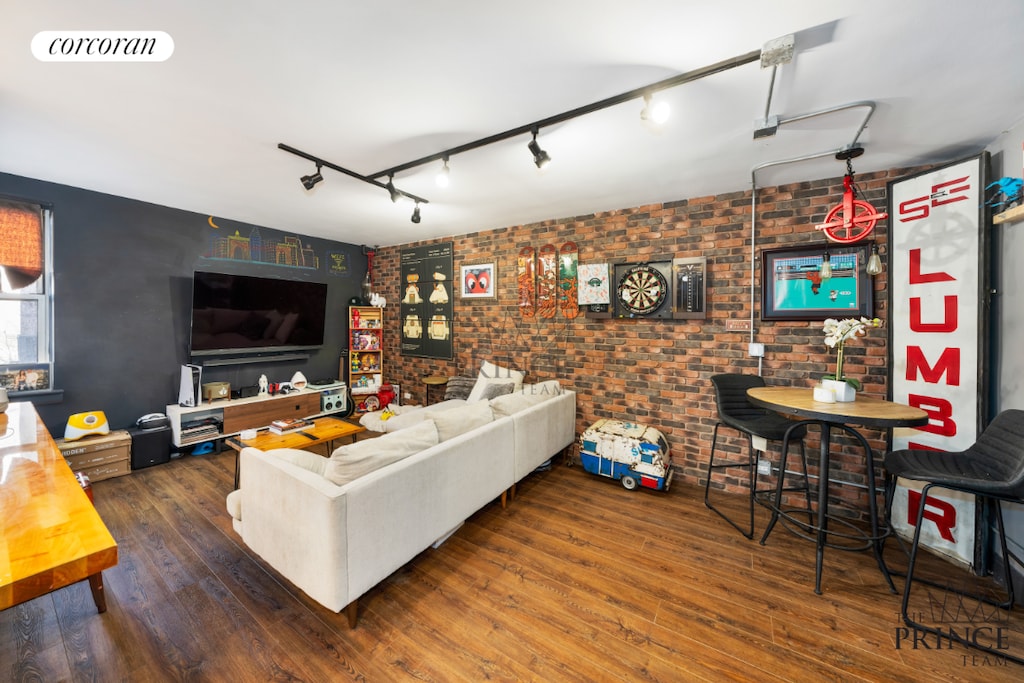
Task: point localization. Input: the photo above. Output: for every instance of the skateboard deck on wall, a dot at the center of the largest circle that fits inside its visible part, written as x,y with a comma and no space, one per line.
568,283
527,279
547,281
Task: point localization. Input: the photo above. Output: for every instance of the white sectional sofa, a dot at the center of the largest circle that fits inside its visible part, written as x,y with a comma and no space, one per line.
335,542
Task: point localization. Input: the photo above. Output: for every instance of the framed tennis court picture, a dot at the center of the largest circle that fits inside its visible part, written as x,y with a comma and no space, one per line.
793,286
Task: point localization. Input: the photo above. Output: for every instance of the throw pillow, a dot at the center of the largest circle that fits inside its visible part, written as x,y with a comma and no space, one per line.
504,406
493,374
496,390
350,462
458,387
451,423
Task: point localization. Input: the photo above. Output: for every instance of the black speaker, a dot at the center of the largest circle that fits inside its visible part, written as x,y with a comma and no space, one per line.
150,446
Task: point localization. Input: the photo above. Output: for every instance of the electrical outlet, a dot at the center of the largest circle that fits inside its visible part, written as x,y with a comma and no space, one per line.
764,467
407,396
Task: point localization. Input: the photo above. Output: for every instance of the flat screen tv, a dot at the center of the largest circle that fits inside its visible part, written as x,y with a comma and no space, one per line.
245,314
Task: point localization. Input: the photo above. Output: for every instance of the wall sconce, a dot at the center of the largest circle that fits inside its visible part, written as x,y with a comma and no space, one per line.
874,265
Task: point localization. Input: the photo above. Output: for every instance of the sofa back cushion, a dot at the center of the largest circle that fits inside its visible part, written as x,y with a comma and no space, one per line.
542,391
502,406
350,462
451,423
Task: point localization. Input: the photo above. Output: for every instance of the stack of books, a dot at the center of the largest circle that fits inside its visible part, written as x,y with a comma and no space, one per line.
289,425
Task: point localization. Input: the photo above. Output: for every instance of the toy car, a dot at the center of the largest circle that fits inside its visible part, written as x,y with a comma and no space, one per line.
632,453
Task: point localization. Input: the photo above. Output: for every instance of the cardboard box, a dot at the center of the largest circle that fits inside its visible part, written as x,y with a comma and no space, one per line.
100,456
107,471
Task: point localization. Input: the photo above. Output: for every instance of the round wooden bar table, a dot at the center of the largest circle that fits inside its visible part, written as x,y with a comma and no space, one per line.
866,411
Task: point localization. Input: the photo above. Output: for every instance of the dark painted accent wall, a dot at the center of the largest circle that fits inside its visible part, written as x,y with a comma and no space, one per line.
123,287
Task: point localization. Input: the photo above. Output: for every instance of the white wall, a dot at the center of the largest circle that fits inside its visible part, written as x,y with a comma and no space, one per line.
1009,314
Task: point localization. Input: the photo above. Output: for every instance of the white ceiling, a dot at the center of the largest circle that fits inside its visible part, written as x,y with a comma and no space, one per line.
370,85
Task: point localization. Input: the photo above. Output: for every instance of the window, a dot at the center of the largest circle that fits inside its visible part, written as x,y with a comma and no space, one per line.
26,296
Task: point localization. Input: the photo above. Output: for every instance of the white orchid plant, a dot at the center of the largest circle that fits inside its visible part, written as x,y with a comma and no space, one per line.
837,332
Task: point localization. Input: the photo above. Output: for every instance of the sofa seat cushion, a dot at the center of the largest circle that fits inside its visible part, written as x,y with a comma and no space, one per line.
493,374
352,461
451,423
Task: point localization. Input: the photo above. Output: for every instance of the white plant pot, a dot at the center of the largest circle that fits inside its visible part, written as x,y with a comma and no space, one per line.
844,392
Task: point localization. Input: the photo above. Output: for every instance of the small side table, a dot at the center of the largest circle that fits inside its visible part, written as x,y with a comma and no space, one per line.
433,381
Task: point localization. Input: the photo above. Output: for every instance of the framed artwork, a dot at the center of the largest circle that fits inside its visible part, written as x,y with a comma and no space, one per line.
26,377
427,306
478,281
792,286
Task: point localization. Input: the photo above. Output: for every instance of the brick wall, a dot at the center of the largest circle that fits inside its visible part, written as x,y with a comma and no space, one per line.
656,372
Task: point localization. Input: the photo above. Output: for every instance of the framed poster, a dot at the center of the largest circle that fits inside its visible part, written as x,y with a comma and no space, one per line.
427,309
793,288
478,281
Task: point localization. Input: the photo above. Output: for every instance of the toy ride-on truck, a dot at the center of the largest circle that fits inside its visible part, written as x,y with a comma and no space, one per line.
634,454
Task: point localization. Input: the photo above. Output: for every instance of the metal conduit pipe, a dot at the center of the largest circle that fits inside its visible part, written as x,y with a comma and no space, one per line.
807,157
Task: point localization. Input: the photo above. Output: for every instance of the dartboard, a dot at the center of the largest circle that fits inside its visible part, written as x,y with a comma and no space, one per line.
642,290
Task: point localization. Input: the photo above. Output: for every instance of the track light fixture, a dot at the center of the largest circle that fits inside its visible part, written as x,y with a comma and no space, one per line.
392,190
656,112
308,181
540,157
442,175
416,214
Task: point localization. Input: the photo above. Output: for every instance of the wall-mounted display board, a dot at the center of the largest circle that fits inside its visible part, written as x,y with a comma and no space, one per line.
427,305
663,289
690,283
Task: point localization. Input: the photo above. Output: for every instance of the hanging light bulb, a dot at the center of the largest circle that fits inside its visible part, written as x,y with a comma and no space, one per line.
442,176
826,266
874,266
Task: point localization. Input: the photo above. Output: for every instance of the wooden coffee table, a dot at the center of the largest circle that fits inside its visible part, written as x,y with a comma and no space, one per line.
324,430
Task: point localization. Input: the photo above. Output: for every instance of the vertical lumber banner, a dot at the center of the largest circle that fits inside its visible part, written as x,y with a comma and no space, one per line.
939,301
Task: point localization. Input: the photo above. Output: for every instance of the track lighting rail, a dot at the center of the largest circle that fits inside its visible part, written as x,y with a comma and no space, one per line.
540,156
340,169
636,93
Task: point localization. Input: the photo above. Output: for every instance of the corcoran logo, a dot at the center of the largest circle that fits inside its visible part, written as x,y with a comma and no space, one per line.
102,46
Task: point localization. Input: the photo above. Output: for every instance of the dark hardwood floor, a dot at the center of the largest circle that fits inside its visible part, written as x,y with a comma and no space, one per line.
578,580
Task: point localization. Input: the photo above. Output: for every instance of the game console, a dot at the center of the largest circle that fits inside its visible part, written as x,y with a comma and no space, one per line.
84,424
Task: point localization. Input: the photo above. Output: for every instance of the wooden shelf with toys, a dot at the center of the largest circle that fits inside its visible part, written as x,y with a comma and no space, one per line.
366,357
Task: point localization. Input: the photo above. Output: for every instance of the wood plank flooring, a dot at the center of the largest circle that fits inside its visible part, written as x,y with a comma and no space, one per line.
578,580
